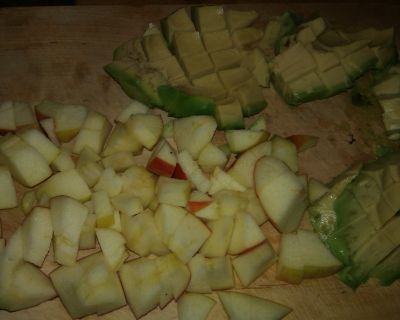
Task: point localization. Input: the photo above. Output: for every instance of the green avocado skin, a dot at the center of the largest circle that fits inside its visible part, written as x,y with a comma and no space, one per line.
179,104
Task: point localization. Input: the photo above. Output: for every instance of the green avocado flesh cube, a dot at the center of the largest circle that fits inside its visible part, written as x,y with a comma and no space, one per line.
179,104
187,43
197,65
238,19
229,115
211,86
324,59
332,38
388,87
294,58
217,40
235,77
137,84
347,209
391,230
365,259
225,59
155,47
335,80
246,36
386,56
130,50
388,270
251,98
255,62
176,21
209,18
170,67
359,62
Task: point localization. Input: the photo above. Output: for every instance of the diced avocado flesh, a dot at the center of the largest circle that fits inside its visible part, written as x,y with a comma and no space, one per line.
238,19
176,21
388,270
357,222
251,98
225,59
217,40
155,47
229,115
209,18
137,85
179,104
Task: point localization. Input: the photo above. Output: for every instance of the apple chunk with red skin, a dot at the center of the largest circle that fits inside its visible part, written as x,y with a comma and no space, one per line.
163,159
282,193
198,200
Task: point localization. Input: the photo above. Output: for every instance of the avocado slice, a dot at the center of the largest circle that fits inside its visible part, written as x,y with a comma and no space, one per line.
179,104
388,270
137,83
211,86
197,65
187,43
251,98
246,36
176,21
229,115
226,59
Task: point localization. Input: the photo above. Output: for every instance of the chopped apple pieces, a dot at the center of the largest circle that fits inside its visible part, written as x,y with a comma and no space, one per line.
8,195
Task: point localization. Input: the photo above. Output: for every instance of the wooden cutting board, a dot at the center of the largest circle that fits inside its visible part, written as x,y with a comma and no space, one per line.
58,53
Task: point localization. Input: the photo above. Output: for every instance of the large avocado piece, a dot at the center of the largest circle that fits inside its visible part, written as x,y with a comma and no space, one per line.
357,221
388,270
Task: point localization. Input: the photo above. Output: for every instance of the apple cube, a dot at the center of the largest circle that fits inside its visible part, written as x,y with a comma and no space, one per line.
303,141
93,133
173,191
28,201
88,287
47,126
146,128
67,183
90,172
167,219
316,190
162,160
103,209
253,263
188,238
244,306
218,243
142,235
243,168
193,171
119,161
254,207
26,164
194,306
8,195
2,245
7,118
87,238
243,139
46,109
286,151
135,107
210,157
112,245
210,212
194,133
230,202
197,201
68,121
199,281
220,273
246,234
38,222
19,295
68,217
178,173
260,124
63,161
120,140
23,115
220,180
127,203
40,142
88,155
282,194
140,182
109,182
290,266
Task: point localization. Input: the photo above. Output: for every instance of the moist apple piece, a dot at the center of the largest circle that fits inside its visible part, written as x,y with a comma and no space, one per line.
170,67
217,40
197,65
210,85
235,77
155,47
225,59
187,43
209,18
246,36
176,21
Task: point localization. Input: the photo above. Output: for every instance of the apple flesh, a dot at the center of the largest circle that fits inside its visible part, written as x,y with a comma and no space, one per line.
173,191
178,173
8,195
221,232
87,238
139,182
135,107
210,157
109,182
63,161
102,209
162,160
282,194
192,170
146,128
244,306
199,282
242,140
220,180
194,306
68,121
112,245
7,118
167,219
197,201
286,151
120,140
220,273
23,115
316,190
47,126
127,203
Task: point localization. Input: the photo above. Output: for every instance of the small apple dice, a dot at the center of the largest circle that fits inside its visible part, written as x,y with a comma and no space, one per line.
163,159
112,244
146,128
242,140
173,191
139,182
8,195
194,306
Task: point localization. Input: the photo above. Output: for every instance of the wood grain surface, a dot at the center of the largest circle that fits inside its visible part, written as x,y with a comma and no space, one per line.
58,53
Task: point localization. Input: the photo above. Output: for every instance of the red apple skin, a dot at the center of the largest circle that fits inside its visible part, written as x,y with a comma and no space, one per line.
178,173
303,141
40,116
194,206
160,167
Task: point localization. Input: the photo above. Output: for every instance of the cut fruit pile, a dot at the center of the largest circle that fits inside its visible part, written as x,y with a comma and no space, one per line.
208,65
357,218
191,218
